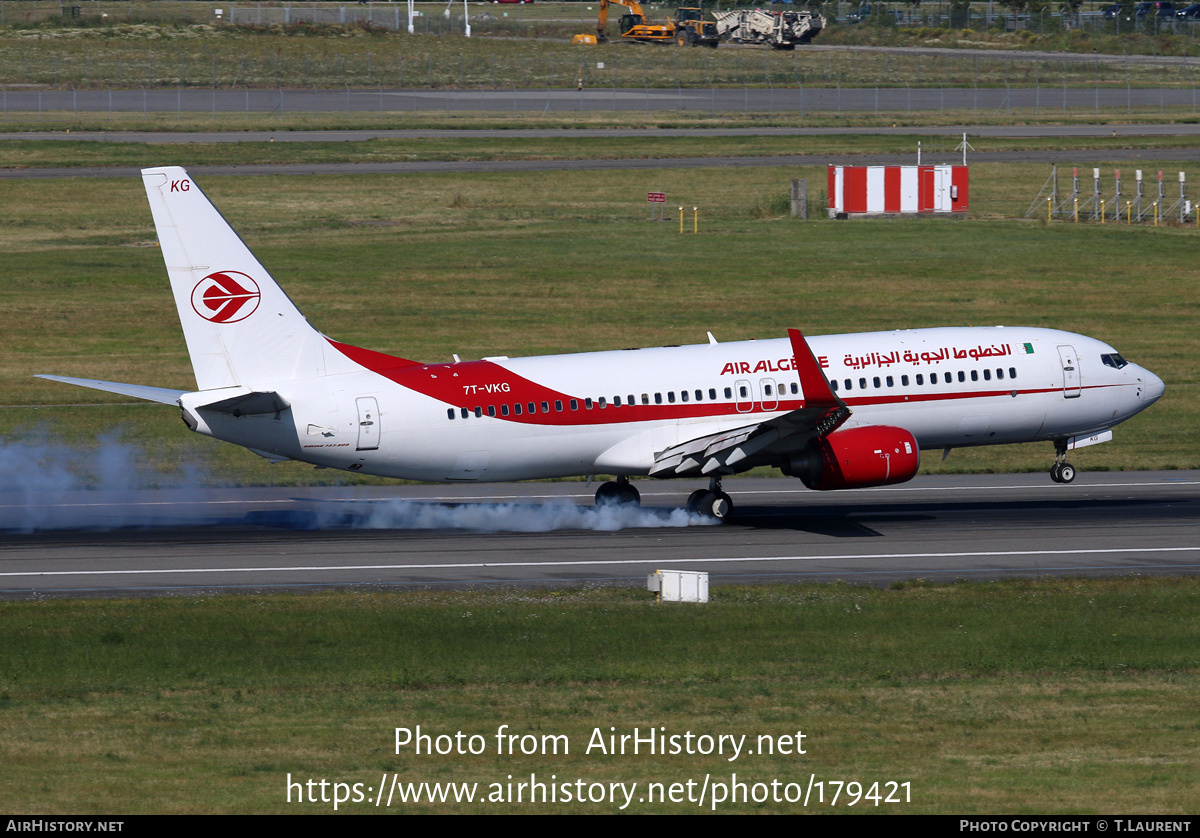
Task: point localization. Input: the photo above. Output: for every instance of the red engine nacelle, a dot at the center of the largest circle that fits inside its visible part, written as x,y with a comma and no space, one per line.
855,458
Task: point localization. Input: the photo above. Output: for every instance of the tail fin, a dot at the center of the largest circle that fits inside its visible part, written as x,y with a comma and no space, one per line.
240,327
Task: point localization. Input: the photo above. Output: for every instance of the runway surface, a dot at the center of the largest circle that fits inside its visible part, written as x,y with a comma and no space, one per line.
940,528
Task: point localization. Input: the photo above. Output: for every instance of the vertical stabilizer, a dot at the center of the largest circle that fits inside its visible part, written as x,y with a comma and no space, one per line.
240,327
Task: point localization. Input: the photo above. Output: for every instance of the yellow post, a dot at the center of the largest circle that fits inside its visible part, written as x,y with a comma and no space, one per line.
681,219
1049,209
695,220
1156,213
1101,209
1128,212
1076,210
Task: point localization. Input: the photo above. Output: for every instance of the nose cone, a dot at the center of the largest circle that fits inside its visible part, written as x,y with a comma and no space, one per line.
1152,387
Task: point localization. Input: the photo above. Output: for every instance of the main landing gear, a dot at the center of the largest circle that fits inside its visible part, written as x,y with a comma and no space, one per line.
1061,471
711,502
618,492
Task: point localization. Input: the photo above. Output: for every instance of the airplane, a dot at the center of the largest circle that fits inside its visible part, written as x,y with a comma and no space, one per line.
836,411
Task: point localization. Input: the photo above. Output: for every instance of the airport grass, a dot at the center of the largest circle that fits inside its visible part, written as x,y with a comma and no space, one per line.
428,265
1069,696
129,56
85,153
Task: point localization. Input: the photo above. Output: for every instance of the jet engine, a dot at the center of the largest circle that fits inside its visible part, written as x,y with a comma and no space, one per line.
854,458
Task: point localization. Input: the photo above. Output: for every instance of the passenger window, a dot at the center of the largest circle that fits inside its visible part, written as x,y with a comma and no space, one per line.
974,375
1000,374
875,381
645,398
933,378
699,395
616,401
766,389
545,407
987,375
574,404
962,376
450,413
517,409
532,408
920,379
728,393
833,384
558,405
587,404
491,410
904,381
712,394
671,396
603,403
742,391
1012,372
465,413
891,382
849,384
658,398
503,410
478,412
862,384
683,395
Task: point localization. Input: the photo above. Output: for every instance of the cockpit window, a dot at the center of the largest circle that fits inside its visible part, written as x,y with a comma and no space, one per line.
1113,360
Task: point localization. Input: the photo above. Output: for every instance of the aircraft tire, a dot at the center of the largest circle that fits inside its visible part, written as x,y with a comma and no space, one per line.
1066,473
618,494
1054,473
694,499
716,505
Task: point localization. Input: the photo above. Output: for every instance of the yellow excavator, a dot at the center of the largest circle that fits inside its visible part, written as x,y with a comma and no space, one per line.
688,28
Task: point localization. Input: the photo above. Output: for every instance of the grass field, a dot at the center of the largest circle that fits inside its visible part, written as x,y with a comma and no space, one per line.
202,55
69,153
1022,697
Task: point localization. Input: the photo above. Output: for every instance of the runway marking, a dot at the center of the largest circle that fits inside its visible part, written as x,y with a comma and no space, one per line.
462,498
606,562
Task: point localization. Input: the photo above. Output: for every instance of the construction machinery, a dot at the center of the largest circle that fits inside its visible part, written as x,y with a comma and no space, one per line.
781,30
687,28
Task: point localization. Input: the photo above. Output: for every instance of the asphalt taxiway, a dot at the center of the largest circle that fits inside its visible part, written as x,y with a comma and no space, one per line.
250,540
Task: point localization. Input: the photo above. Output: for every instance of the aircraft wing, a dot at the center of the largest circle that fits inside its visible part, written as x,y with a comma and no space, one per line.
151,394
823,412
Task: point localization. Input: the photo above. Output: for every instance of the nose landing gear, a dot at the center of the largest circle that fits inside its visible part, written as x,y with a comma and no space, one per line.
1061,471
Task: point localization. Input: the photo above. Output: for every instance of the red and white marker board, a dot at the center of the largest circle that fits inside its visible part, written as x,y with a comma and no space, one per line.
869,190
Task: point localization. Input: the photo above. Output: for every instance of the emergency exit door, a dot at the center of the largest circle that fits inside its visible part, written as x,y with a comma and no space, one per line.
368,423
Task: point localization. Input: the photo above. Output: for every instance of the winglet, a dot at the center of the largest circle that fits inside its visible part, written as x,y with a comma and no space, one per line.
812,380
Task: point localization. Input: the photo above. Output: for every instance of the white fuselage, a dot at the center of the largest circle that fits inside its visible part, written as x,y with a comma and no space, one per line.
612,412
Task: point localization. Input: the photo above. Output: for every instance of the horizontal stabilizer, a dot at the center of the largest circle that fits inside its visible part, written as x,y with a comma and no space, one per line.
248,404
151,394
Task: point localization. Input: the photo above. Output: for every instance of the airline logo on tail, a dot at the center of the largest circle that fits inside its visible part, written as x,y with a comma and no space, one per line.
226,297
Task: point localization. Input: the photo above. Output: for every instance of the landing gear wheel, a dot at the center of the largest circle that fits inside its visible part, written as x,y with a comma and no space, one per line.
715,505
1066,472
1054,469
618,492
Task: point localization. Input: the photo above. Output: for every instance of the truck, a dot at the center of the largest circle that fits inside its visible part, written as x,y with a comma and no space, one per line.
781,30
